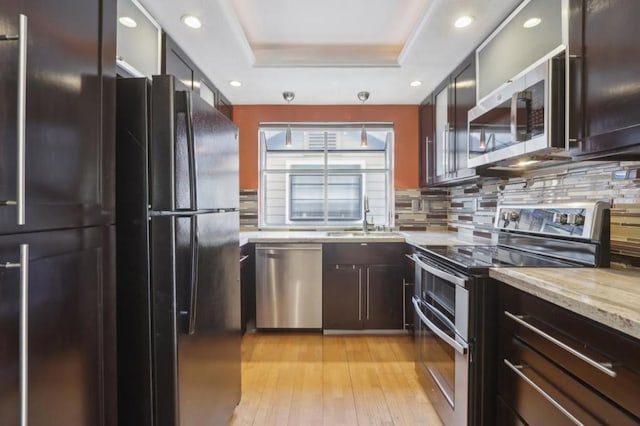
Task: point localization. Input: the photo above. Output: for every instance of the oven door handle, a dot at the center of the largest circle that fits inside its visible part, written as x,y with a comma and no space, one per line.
442,317
460,348
440,273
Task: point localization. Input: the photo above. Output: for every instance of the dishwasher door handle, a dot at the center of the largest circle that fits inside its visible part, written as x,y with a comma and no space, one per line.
289,248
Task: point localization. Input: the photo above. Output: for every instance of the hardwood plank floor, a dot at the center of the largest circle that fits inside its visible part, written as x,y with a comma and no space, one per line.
310,379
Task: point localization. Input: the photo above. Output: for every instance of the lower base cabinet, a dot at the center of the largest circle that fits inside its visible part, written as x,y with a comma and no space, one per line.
556,367
362,286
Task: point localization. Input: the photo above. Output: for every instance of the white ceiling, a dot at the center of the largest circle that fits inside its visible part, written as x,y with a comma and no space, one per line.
326,51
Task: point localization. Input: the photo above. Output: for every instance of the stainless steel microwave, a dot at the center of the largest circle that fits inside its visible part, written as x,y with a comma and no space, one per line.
523,122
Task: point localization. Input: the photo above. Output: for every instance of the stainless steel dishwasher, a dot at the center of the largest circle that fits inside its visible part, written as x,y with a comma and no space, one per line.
288,286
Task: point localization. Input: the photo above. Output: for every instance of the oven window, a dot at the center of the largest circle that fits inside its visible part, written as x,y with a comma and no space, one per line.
440,294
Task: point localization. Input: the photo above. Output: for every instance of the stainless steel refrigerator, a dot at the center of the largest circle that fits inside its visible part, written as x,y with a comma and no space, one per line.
178,276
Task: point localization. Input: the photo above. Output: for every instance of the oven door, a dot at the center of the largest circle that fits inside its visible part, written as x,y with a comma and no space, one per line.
442,358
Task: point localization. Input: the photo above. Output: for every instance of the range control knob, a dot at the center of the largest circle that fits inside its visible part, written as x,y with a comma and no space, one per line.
560,218
576,219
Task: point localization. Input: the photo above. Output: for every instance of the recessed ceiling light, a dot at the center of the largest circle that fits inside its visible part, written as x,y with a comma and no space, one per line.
128,22
530,23
415,83
235,83
191,21
463,21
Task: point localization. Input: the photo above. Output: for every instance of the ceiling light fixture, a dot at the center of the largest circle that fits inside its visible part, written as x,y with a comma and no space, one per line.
191,21
463,21
128,21
363,96
288,96
235,83
415,83
532,22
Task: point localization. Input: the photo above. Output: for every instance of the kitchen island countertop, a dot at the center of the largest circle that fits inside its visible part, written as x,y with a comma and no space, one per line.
608,296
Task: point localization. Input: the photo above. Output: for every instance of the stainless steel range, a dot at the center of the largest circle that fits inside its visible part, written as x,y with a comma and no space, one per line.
454,300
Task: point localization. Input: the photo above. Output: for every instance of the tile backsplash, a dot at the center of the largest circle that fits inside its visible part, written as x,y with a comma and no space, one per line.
470,208
473,206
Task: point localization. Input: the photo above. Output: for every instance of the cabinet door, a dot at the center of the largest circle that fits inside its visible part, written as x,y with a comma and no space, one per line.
247,284
383,294
464,90
427,131
611,69
68,163
342,297
443,152
71,321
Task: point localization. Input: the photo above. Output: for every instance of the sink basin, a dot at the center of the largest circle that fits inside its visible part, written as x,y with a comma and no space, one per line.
371,234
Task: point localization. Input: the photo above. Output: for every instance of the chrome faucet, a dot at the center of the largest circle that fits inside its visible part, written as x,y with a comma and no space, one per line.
365,224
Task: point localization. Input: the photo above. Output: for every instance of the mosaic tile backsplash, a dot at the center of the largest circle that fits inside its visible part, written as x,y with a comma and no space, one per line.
469,209
473,206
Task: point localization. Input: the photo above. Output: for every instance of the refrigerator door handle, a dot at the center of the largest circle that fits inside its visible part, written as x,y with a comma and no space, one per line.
194,252
24,328
21,103
185,103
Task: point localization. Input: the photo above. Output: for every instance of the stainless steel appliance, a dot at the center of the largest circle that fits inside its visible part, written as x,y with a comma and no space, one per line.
522,123
288,286
454,300
178,258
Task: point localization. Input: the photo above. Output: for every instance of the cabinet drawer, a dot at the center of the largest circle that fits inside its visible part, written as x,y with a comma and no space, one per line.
543,394
363,253
601,357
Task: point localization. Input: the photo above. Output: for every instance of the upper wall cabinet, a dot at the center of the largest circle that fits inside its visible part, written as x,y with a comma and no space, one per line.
532,32
608,77
444,130
138,47
189,77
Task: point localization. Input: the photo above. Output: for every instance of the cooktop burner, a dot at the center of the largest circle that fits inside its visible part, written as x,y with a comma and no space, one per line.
483,257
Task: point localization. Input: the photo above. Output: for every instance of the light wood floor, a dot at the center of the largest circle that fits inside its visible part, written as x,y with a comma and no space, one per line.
311,379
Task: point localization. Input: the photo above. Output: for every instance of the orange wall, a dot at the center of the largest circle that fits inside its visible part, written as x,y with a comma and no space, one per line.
404,118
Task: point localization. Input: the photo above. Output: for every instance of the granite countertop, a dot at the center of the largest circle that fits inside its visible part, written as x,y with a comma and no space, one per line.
412,237
608,296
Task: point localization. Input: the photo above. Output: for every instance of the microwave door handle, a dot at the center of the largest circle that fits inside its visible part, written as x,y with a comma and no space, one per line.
514,118
518,97
440,273
460,348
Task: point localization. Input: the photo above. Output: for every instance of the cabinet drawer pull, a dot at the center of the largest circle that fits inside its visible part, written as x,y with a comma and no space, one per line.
360,294
24,328
516,369
605,367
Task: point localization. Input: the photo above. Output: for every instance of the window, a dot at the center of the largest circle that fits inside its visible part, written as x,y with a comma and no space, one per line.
321,176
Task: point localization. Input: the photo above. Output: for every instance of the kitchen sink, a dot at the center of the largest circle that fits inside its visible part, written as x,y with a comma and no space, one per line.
371,234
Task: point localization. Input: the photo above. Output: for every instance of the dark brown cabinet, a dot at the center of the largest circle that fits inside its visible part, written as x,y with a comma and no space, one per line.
362,286
69,150
555,366
71,351
63,255
247,285
443,128
606,69
176,62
